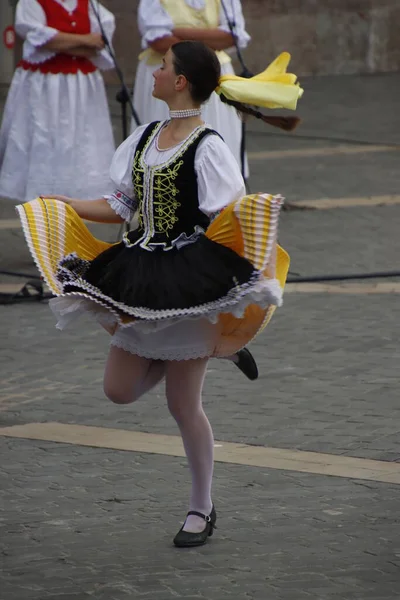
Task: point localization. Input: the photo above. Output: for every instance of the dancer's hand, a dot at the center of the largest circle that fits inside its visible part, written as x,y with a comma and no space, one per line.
82,51
64,199
94,40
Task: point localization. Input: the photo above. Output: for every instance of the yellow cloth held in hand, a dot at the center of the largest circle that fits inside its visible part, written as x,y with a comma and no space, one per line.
273,88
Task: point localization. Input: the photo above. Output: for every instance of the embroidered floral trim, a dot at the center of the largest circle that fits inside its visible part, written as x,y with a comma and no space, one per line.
122,204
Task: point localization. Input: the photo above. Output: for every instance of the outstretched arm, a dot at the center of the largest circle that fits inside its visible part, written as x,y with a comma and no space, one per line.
92,210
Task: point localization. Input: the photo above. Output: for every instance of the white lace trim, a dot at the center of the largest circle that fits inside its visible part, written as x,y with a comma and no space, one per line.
68,307
271,290
182,240
157,354
121,208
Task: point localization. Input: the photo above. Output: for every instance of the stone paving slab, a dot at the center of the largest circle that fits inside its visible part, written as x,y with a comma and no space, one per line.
94,523
328,383
84,523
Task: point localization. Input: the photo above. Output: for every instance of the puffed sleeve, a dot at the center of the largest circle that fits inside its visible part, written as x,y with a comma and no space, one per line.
218,175
103,59
123,200
233,11
30,24
153,21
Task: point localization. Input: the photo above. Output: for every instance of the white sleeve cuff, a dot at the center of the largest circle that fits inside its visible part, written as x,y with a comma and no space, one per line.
35,39
155,33
243,37
124,206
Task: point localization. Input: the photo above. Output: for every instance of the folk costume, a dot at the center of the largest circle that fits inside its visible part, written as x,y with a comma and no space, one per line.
56,132
156,19
202,273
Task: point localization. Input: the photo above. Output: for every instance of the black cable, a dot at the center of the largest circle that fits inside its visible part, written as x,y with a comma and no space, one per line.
328,139
123,96
315,278
15,274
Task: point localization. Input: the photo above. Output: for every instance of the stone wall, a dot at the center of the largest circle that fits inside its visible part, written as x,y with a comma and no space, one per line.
323,36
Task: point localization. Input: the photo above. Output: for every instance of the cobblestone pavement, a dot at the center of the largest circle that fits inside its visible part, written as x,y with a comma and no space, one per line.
79,522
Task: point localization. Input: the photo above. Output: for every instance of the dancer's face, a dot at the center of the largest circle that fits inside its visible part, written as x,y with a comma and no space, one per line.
167,84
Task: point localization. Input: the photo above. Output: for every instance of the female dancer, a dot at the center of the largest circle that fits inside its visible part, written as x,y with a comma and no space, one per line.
56,120
176,291
165,22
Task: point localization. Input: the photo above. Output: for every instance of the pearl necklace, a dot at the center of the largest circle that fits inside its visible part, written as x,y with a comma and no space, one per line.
182,114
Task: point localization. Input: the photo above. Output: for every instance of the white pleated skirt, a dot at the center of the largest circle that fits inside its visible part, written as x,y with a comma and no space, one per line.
56,137
219,116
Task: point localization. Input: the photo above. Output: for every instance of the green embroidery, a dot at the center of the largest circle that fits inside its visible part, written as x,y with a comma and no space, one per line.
138,184
155,189
165,198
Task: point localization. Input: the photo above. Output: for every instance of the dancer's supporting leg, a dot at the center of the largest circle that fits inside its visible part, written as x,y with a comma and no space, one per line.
184,383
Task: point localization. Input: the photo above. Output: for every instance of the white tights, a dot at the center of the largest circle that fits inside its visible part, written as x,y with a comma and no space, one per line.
127,377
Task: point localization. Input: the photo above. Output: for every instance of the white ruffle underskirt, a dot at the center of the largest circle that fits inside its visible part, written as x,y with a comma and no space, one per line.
176,338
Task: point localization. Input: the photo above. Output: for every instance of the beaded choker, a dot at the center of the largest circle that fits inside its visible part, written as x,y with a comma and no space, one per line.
182,114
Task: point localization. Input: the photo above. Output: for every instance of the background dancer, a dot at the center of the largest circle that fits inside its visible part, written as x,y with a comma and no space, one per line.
56,132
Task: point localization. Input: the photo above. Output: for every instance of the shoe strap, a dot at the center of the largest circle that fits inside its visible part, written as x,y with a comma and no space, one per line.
207,518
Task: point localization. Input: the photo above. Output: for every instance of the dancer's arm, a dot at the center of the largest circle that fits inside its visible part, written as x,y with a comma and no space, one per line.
63,42
81,51
43,42
163,44
215,38
155,26
98,210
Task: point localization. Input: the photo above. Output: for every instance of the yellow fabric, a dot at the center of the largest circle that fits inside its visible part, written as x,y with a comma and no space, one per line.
52,230
273,88
249,227
184,16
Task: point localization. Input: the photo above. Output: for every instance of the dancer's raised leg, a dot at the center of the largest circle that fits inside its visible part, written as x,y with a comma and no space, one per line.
128,376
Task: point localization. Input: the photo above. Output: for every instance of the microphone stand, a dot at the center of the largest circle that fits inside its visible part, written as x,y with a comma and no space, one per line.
123,96
247,74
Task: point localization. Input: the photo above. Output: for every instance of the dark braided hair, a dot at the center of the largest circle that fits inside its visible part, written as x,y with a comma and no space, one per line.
201,67
286,123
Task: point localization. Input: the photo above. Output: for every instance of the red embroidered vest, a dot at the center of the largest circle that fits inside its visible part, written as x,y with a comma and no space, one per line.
76,22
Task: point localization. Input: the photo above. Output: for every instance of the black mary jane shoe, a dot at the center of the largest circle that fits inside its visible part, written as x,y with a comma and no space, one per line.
247,364
187,539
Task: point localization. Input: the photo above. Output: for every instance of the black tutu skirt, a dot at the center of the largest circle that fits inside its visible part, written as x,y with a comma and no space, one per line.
197,274
218,291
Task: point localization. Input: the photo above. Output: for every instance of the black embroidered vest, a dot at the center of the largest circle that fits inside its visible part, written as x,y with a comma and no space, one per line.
167,195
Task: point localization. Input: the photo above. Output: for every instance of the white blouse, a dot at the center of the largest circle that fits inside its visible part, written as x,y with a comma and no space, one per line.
154,21
219,179
30,24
